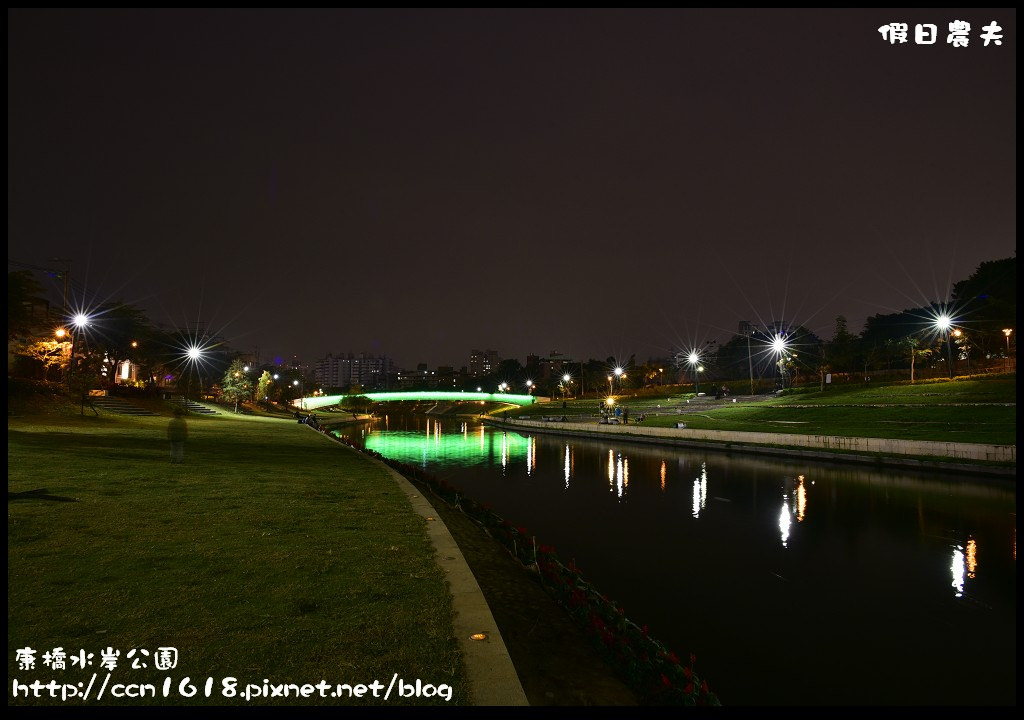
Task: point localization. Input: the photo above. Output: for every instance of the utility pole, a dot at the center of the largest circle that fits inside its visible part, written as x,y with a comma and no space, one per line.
64,275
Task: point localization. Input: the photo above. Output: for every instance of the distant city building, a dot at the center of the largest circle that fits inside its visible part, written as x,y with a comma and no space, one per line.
344,370
551,367
483,362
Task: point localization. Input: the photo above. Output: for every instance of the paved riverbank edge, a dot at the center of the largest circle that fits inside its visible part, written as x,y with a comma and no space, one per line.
493,678
872,451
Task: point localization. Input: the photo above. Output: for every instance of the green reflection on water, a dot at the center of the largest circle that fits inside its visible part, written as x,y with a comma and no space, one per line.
462,447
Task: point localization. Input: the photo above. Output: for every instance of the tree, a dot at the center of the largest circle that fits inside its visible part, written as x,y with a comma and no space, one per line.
50,353
264,386
842,349
236,383
22,292
913,346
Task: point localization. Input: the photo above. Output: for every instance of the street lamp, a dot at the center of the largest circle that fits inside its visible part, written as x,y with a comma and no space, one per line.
79,322
529,387
1006,360
610,391
945,324
748,331
302,394
694,360
959,335
566,379
779,347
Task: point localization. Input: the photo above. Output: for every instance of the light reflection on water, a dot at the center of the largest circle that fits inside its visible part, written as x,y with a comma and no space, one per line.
867,557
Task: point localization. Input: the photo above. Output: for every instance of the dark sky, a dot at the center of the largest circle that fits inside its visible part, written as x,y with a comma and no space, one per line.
422,183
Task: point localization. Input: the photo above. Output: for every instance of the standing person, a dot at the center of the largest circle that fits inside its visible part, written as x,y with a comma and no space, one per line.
625,416
177,433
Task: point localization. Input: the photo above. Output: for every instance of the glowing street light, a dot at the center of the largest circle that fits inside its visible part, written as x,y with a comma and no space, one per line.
959,335
610,391
302,394
779,346
79,322
529,387
944,324
694,360
1006,360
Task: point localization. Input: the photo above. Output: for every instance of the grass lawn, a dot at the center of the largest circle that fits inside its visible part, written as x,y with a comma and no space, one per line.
969,424
272,552
970,411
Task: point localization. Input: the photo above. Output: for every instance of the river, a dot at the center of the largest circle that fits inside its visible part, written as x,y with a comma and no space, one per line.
794,582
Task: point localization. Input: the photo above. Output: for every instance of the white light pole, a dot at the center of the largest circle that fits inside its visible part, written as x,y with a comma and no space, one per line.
750,362
694,359
945,324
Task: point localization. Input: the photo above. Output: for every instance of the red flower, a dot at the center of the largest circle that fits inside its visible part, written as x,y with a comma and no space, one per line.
687,672
665,681
672,658
521,530
688,689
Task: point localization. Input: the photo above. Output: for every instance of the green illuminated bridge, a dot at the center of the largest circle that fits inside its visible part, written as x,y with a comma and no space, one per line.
312,403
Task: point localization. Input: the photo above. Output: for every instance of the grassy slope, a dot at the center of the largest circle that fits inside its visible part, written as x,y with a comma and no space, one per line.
271,553
964,411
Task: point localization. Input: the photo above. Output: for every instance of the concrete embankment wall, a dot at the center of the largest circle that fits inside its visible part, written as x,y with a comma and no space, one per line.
825,443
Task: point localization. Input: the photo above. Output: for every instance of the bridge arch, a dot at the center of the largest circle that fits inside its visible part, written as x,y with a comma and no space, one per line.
313,403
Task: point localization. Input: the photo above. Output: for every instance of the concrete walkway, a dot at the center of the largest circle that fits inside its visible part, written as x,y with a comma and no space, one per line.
879,451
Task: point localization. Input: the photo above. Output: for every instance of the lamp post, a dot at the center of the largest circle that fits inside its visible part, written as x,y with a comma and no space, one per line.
944,324
694,359
566,379
302,398
194,354
60,334
610,391
1006,360
529,387
959,335
619,375
779,347
750,362
78,323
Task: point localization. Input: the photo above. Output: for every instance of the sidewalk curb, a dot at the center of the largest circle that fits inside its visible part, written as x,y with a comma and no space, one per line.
493,678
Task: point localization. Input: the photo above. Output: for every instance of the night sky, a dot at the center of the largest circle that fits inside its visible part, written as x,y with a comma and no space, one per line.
422,183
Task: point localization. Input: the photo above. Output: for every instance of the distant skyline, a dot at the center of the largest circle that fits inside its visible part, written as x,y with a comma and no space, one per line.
420,183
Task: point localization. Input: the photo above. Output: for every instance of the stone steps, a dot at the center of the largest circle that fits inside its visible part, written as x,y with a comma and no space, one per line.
119,406
194,407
